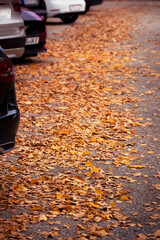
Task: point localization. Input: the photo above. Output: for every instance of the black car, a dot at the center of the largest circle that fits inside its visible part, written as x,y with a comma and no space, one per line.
37,6
35,33
90,3
9,112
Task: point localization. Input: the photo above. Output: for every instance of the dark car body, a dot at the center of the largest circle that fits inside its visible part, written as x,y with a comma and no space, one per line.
35,33
9,112
90,3
37,6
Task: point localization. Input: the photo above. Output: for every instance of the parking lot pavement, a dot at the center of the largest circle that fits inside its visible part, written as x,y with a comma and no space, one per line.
86,162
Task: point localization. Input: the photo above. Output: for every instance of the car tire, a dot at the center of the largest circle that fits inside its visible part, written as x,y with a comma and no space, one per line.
69,18
87,8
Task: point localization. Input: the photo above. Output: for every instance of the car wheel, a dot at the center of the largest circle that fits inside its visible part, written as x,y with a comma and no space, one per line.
69,18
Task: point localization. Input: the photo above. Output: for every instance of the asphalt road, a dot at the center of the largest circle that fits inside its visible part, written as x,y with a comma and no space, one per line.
143,84
146,39
144,46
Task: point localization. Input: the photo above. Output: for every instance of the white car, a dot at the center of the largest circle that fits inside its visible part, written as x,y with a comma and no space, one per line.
12,31
66,10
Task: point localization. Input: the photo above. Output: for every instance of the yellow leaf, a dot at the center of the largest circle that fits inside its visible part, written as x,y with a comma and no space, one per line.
118,158
21,187
59,196
86,153
112,203
98,191
95,169
124,197
127,59
150,152
126,162
106,217
136,166
133,151
93,139
89,174
57,147
89,164
107,89
94,205
141,119
100,140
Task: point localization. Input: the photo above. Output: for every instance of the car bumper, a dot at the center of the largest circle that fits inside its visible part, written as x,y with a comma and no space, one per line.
8,129
34,49
14,53
13,47
33,53
60,8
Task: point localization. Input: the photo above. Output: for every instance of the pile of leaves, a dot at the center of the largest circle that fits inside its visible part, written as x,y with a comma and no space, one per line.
76,128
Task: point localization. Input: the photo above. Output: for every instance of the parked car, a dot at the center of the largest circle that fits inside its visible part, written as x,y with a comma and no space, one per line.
68,10
12,32
9,112
37,6
90,3
35,33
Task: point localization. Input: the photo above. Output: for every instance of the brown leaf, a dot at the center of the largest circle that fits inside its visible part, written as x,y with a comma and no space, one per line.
141,236
37,208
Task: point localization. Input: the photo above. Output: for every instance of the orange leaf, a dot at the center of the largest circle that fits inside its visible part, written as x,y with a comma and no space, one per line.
133,151
124,197
98,191
59,196
89,164
37,208
136,166
112,203
94,205
150,152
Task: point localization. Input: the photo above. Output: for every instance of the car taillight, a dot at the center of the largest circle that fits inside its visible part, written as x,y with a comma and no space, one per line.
6,71
16,6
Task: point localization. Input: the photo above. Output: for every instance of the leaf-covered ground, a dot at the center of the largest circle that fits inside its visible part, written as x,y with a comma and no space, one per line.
85,165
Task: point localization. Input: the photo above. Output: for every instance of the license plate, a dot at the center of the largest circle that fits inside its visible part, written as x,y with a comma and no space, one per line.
5,12
31,2
75,7
32,40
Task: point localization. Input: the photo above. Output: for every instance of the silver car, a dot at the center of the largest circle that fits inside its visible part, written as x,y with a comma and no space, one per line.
12,31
